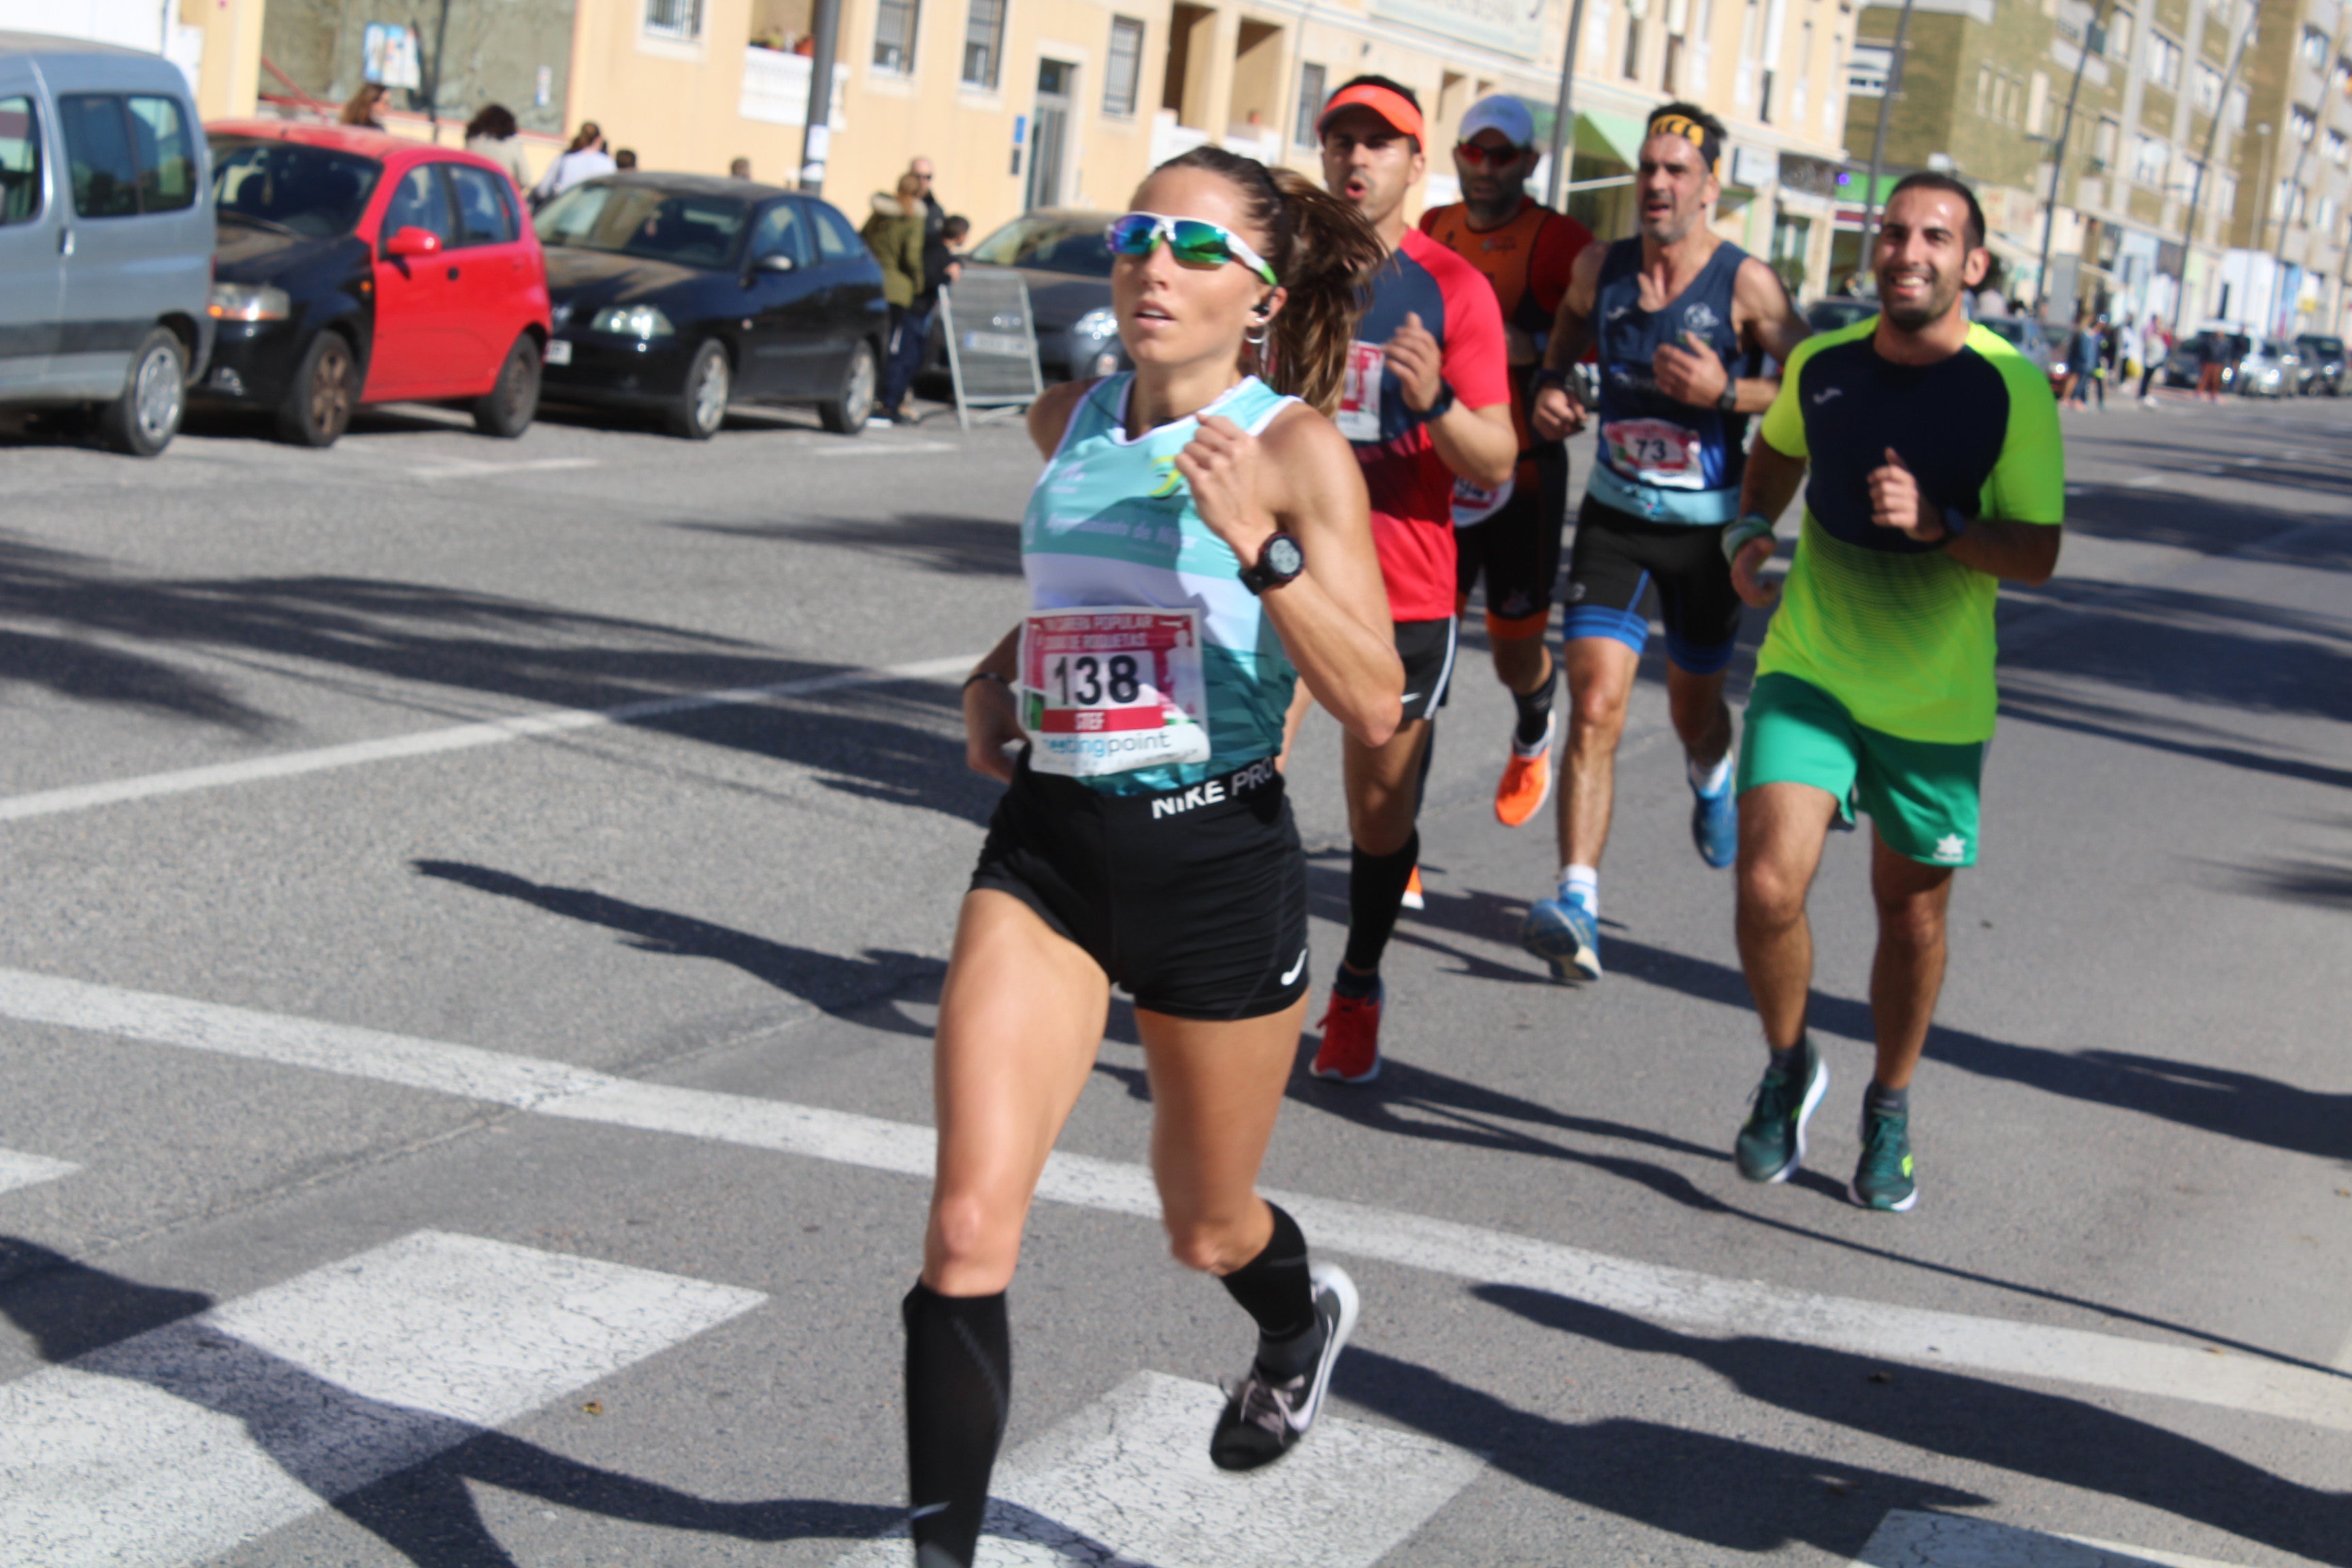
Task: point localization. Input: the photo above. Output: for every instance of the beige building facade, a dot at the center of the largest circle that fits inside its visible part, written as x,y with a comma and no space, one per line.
1034,103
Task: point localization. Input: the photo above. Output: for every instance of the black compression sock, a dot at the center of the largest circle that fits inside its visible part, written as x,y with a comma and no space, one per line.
1375,894
1274,1289
959,1390
1535,708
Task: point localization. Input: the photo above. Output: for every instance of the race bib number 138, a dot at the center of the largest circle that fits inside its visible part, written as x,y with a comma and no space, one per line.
1111,691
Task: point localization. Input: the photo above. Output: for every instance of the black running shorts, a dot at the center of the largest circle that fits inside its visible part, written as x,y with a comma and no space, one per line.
1193,900
1517,549
1427,649
1618,556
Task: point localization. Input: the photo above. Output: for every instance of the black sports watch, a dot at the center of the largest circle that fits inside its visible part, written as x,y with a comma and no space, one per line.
1278,562
1547,376
1955,523
1729,401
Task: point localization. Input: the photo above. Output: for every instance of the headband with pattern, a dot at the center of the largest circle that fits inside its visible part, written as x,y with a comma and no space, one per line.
1691,130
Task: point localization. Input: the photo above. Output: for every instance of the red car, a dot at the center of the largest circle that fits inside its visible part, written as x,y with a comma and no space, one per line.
352,267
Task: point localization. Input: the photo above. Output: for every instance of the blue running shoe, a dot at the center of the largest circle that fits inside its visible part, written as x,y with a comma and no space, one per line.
1883,1178
1714,828
1564,934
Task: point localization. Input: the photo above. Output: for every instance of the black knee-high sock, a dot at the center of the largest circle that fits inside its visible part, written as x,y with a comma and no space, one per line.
1535,707
1274,1287
959,1390
1375,893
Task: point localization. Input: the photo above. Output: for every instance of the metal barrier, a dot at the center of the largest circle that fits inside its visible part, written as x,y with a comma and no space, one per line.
991,341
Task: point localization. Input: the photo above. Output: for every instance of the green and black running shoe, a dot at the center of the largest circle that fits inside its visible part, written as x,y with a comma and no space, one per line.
1883,1178
1772,1145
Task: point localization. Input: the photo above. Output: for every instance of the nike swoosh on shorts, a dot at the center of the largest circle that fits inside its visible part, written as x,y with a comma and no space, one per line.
1295,968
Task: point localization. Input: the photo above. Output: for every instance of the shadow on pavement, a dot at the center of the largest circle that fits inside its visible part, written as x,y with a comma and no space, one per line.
2099,720
1734,1495
958,546
2066,1440
74,1313
840,986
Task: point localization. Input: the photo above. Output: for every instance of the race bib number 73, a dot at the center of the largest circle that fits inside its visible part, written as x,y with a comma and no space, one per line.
1655,451
1110,690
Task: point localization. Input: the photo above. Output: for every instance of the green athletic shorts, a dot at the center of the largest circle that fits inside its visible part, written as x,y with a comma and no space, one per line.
1921,794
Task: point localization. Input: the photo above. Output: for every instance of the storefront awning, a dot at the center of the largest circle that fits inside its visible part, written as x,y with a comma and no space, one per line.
1602,133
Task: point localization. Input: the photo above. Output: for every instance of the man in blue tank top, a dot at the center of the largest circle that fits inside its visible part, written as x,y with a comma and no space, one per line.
1674,311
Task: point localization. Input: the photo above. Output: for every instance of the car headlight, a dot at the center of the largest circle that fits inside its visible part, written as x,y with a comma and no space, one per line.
1098,323
633,321
249,302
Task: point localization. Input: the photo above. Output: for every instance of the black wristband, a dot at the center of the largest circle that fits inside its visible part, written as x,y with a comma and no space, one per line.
1445,401
1547,376
985,674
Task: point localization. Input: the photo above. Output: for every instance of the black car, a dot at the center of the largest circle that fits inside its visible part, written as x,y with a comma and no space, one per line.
2322,367
681,293
1835,312
1060,253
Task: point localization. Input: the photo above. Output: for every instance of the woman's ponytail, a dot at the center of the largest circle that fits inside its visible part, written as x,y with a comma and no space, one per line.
1325,252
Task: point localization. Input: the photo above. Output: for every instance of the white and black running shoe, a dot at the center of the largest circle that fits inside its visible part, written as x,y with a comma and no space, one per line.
1265,1419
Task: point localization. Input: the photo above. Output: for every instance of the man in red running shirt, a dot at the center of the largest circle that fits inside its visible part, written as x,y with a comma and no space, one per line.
1511,536
1428,401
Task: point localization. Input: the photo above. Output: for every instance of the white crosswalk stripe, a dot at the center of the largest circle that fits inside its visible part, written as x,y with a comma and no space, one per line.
1905,1539
29,1170
1684,1299
176,1444
1127,1483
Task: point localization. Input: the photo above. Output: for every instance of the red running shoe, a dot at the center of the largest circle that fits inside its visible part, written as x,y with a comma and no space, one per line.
1350,1051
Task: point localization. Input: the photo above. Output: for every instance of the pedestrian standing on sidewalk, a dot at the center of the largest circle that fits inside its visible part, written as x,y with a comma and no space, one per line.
492,134
913,340
2156,348
1198,543
585,160
894,232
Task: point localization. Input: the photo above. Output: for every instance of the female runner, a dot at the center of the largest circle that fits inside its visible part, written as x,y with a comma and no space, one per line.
1198,541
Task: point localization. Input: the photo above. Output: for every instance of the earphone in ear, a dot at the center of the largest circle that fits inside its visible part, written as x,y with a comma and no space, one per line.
1263,309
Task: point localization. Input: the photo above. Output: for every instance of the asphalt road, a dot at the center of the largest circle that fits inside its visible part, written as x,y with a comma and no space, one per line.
429,1138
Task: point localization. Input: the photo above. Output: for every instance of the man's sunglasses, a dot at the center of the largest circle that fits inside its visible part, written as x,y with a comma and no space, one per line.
1478,157
1192,241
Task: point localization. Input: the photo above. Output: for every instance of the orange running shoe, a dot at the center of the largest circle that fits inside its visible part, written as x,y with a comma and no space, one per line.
1412,899
1526,780
1350,1051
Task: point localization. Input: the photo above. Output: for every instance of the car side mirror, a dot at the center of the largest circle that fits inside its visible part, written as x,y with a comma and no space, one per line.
776,262
412,241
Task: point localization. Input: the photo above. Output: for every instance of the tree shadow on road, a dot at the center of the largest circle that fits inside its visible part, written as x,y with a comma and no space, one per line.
327,1438
1731,1494
844,987
2069,1441
958,546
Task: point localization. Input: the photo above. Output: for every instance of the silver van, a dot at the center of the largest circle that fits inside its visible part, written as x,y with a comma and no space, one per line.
106,237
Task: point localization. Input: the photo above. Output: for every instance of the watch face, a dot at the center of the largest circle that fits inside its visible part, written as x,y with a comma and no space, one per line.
1282,556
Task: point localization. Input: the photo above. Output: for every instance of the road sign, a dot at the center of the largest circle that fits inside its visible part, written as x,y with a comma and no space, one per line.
992,340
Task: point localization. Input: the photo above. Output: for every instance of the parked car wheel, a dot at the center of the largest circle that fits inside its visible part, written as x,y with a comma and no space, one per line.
324,390
142,421
507,409
846,414
698,411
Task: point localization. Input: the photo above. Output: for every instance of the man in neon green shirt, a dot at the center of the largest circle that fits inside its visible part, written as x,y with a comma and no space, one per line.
1937,471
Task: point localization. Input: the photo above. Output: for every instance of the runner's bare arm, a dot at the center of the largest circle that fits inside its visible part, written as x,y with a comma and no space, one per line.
1050,415
990,720
1764,317
1766,490
1480,445
1558,414
1302,478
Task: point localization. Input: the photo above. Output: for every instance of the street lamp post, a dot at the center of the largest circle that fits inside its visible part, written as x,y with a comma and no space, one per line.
1563,115
818,138
1878,137
2093,36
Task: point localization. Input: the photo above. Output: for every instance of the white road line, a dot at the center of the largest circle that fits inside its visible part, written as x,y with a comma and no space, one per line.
185,1441
2343,1361
1905,1539
2146,481
29,1170
881,448
457,738
1127,1483
472,468
1682,1298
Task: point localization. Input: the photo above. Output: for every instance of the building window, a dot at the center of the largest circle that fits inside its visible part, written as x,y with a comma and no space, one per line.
2337,152
2149,158
2208,88
674,19
2163,60
2119,35
1632,65
983,43
2103,147
1310,106
894,36
1123,67
1866,71
2301,121
2237,108
2314,46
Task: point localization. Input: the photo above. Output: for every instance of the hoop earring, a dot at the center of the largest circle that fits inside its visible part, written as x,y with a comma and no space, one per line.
1257,340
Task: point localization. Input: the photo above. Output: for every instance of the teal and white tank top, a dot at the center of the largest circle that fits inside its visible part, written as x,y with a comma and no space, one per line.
1111,523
